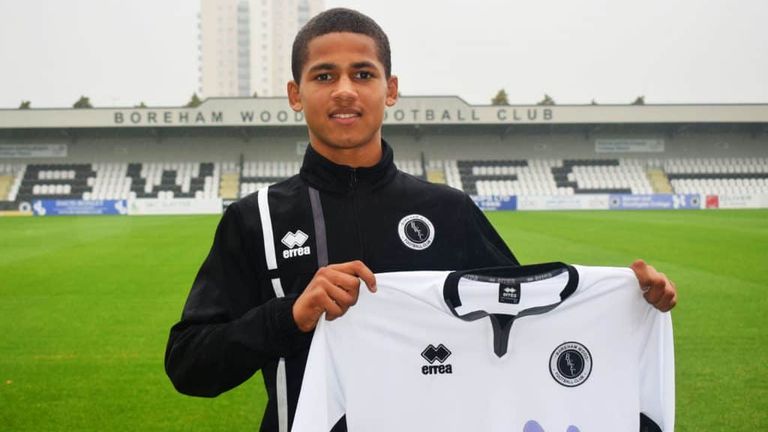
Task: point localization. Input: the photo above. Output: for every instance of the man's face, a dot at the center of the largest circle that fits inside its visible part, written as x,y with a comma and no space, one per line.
343,93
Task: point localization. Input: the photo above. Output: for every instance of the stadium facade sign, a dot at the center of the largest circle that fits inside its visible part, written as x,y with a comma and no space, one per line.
144,117
239,112
25,151
626,145
473,115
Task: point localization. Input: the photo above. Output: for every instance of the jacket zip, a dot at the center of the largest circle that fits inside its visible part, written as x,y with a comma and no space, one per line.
353,181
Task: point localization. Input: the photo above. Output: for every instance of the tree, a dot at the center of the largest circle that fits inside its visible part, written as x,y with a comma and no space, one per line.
500,98
194,102
255,94
140,105
639,101
83,102
594,102
546,101
25,104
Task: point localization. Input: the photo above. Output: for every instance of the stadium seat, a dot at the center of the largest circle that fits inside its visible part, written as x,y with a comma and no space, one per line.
551,177
722,176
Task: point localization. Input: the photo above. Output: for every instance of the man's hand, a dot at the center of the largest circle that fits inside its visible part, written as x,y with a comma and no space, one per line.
658,289
333,290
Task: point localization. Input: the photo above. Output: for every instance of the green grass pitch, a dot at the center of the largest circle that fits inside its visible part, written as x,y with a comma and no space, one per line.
86,304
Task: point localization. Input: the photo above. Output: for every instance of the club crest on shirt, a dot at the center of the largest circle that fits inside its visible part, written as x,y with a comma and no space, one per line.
416,231
570,364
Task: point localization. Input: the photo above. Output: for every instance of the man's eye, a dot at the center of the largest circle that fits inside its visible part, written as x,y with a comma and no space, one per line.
323,77
364,75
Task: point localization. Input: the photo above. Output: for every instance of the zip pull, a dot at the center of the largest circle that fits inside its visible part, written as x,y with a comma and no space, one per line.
353,178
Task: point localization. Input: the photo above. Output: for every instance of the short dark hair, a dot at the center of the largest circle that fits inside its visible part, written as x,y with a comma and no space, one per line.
338,20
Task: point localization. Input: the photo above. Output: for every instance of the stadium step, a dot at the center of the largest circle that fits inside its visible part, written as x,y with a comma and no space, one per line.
436,176
5,186
659,180
230,185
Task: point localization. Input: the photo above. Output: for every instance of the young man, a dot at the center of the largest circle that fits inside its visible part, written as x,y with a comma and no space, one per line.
284,256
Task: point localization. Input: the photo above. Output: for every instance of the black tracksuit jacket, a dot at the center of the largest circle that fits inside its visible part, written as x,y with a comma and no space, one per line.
234,325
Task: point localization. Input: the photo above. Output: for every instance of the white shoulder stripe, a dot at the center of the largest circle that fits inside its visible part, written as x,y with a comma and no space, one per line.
282,397
266,227
278,287
281,382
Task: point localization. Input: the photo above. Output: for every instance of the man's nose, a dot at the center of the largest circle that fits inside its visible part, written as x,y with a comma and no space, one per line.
344,89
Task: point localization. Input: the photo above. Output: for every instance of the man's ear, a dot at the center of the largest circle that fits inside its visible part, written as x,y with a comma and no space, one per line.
392,94
294,99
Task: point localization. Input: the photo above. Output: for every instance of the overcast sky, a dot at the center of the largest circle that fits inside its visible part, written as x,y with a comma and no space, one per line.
121,52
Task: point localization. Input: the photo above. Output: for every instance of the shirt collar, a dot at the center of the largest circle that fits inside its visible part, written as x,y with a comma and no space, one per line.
507,282
328,176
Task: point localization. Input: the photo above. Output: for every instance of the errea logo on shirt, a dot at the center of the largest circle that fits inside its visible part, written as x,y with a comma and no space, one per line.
434,354
295,244
509,293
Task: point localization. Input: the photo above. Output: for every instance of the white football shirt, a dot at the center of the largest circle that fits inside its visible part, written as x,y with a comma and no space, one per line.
542,348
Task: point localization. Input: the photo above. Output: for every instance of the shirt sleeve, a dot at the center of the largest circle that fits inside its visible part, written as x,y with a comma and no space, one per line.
657,387
484,247
232,324
321,401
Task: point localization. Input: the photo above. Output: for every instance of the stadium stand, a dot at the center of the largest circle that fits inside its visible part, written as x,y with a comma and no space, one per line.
216,152
173,180
550,176
229,180
55,181
443,172
109,182
604,176
412,167
114,180
259,174
718,176
10,179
